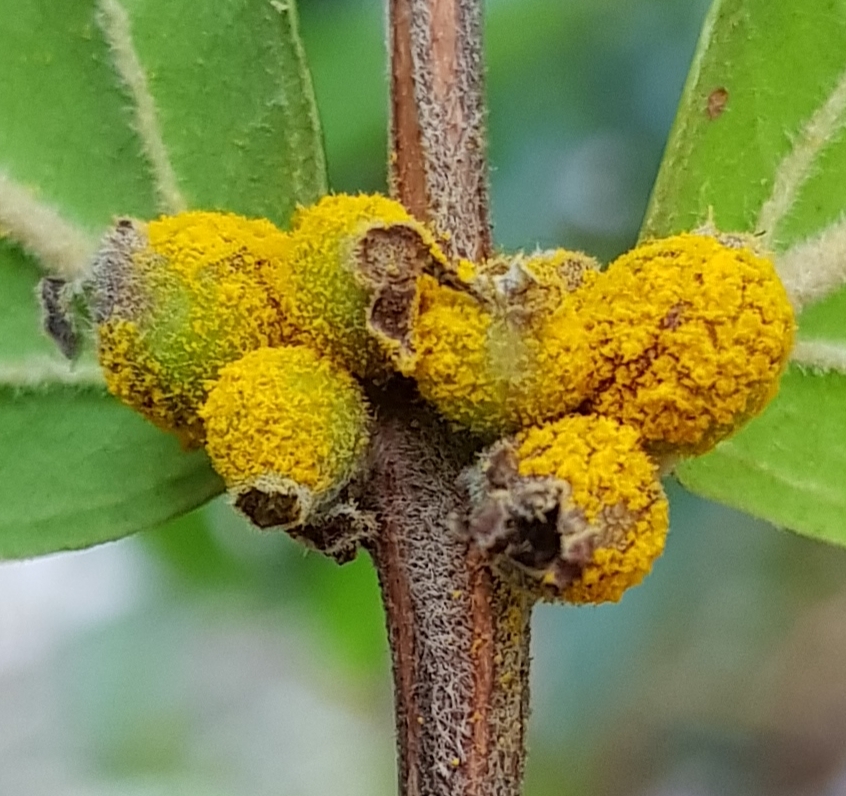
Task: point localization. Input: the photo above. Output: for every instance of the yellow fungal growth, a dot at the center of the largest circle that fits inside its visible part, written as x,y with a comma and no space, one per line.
494,369
617,514
561,374
458,346
328,285
193,241
524,286
571,510
466,270
175,300
285,428
690,336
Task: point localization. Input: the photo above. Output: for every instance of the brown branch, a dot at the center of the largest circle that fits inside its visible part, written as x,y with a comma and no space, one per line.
438,158
408,175
459,634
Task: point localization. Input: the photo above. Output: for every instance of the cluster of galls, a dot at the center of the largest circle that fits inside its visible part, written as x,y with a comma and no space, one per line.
256,342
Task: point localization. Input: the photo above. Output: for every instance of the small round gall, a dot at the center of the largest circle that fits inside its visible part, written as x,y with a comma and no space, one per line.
572,510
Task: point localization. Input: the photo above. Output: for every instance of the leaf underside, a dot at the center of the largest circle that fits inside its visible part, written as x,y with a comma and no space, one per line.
758,142
237,124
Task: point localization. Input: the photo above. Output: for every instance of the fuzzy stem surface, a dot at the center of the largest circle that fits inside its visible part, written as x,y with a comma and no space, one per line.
438,149
459,634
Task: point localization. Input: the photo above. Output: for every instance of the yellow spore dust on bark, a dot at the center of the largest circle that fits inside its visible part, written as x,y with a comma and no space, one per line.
286,413
613,487
690,337
324,297
194,296
492,371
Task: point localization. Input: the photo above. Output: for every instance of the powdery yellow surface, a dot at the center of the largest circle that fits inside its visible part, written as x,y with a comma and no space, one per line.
615,485
562,270
136,377
550,277
455,367
286,412
466,270
202,302
690,338
560,376
324,302
494,373
193,241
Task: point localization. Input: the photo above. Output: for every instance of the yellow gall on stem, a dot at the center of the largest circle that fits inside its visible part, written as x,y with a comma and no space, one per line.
508,351
176,299
464,359
285,428
525,286
574,509
347,287
690,337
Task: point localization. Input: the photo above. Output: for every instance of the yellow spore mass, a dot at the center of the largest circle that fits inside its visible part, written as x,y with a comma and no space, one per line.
288,418
188,294
560,271
457,365
324,297
194,240
525,286
495,370
613,490
689,337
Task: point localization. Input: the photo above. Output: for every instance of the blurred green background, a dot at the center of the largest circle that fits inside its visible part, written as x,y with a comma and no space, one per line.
208,659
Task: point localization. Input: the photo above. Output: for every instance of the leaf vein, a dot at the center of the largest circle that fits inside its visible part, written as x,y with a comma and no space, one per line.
820,355
59,245
815,267
46,371
115,24
795,168
805,485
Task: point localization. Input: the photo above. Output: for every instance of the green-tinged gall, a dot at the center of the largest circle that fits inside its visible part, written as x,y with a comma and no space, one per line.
348,286
510,349
176,299
286,429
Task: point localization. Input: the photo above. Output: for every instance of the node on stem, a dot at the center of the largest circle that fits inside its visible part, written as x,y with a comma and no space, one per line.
508,348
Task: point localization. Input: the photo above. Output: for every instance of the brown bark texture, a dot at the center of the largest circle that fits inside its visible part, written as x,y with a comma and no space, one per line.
459,634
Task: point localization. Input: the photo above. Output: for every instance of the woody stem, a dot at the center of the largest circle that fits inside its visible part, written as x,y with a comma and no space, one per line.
459,635
438,142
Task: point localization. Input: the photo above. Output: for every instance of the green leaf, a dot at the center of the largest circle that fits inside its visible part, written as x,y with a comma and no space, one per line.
758,143
75,501
127,107
235,102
